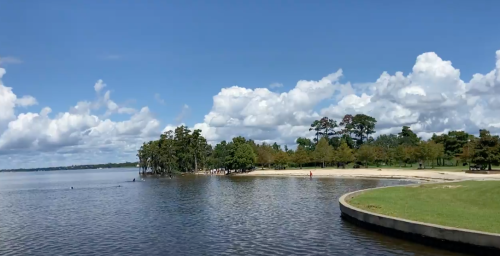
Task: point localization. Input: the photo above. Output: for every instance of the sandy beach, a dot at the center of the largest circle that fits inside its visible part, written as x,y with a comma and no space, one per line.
420,175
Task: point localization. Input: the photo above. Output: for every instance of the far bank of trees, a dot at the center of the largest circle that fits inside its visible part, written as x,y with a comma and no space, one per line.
334,143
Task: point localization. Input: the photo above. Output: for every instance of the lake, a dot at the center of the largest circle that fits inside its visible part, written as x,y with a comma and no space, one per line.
106,214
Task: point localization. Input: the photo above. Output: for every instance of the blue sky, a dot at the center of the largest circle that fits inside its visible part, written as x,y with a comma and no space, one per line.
186,51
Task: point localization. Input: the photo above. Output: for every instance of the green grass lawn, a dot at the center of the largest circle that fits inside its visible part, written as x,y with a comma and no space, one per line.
469,204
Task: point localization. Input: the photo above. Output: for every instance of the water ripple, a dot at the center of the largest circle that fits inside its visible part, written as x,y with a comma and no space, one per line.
185,216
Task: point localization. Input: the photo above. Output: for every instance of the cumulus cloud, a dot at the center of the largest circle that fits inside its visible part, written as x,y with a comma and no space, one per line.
262,114
80,134
26,101
9,101
433,98
99,85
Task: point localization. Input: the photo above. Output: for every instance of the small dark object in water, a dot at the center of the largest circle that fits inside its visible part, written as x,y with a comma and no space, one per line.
133,180
71,187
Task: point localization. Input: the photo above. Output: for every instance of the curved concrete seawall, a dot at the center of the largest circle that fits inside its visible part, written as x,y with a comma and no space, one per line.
474,239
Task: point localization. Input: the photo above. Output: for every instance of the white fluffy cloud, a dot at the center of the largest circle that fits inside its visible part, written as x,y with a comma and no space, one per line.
80,134
9,100
432,98
99,85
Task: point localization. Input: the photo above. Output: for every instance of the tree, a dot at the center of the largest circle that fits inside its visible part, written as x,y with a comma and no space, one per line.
168,156
408,137
276,147
300,157
437,151
347,125
400,154
365,154
344,153
453,142
244,157
429,150
379,155
316,127
468,152
327,126
265,155
363,125
306,143
322,151
178,150
388,143
486,151
197,143
183,150
221,155
281,159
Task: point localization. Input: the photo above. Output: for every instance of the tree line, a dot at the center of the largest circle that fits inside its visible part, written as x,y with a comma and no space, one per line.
333,143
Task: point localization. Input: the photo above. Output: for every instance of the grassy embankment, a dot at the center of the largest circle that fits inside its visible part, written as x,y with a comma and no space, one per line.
469,204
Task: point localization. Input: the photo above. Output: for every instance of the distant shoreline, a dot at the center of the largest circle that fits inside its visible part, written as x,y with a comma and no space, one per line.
75,167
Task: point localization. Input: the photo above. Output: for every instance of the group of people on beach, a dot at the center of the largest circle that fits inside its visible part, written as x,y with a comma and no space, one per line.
217,171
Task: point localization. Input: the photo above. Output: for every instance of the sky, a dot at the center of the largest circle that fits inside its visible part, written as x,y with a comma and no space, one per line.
87,82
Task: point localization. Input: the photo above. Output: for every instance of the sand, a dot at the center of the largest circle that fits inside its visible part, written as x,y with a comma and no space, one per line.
420,175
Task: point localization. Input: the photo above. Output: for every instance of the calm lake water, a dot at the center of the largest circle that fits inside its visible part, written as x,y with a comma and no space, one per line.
190,215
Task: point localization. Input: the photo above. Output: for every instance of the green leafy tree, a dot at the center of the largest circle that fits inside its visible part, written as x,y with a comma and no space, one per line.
468,152
300,157
281,160
486,151
453,143
344,153
265,155
408,137
184,152
221,155
365,154
429,150
322,152
197,144
276,147
364,125
306,143
168,158
316,127
347,125
244,157
388,143
400,154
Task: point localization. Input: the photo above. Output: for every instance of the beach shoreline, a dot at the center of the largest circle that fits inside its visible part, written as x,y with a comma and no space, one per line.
376,173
